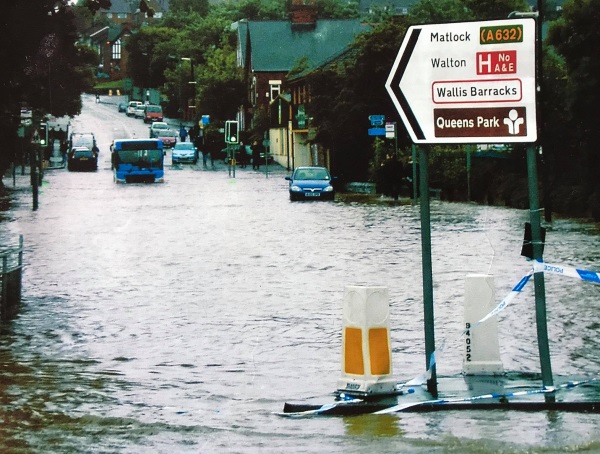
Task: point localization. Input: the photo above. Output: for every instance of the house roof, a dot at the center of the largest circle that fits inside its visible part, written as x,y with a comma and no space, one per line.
109,33
391,5
276,46
123,6
345,56
131,6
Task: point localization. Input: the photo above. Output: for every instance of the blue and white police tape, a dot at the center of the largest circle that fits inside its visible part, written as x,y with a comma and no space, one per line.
421,379
549,389
584,275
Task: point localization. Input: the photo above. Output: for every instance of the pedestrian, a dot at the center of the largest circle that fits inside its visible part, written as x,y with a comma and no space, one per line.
63,150
192,133
243,156
183,133
256,150
198,145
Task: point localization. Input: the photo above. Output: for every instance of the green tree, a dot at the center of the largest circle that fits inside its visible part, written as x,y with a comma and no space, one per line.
494,9
440,11
200,7
221,88
575,37
349,89
45,69
148,57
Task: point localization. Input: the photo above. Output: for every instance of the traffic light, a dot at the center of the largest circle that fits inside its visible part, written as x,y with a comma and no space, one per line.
43,134
231,131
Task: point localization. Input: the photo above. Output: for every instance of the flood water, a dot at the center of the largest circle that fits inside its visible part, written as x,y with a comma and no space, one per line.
180,317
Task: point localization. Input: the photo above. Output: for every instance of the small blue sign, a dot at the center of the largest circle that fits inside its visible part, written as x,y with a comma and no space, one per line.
377,131
377,120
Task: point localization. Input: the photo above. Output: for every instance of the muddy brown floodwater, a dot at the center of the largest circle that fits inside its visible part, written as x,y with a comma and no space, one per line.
179,317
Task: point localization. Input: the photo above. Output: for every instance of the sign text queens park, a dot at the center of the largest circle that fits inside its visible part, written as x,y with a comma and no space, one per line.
468,82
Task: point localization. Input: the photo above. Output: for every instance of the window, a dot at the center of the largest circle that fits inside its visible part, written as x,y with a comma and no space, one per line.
275,88
116,50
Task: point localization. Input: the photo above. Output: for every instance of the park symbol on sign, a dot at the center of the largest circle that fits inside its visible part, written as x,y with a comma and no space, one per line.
468,82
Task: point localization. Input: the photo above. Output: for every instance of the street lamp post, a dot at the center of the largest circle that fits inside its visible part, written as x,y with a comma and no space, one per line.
146,93
192,82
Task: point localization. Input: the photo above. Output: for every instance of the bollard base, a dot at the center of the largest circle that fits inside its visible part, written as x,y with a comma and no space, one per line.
483,368
363,388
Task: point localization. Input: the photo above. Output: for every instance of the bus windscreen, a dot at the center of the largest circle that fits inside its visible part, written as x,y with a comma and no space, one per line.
140,157
138,145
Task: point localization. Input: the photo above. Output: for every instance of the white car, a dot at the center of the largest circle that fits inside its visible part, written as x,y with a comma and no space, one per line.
140,111
131,107
157,127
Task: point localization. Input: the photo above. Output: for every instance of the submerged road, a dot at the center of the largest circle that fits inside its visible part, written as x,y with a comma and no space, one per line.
179,317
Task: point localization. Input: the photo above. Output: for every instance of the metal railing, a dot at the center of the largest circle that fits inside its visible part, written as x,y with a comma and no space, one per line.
10,280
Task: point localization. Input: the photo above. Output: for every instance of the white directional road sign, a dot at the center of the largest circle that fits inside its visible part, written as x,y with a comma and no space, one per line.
468,82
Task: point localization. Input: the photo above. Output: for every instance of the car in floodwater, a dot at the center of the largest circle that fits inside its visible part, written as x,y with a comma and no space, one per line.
153,113
167,136
140,111
156,127
131,107
311,183
82,158
184,152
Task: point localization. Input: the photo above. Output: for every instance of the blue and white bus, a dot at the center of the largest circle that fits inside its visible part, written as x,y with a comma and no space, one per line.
138,161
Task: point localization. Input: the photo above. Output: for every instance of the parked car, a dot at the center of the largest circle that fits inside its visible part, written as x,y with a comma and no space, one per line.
153,113
122,107
132,106
311,183
167,136
140,111
157,126
82,158
184,152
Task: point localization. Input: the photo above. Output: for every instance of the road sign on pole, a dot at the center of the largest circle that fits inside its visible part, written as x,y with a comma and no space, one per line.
468,82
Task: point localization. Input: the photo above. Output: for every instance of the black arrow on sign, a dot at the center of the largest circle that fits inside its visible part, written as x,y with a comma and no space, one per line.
395,84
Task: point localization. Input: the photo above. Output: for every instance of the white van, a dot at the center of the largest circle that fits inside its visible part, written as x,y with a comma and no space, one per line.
132,106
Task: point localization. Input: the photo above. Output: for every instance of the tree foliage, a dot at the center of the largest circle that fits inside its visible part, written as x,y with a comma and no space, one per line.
221,84
200,7
576,39
148,55
44,70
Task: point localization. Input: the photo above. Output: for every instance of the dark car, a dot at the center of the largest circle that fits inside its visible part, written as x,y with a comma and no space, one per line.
82,158
311,183
122,107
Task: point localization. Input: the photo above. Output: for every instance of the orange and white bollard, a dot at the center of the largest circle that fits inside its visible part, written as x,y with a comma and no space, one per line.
366,351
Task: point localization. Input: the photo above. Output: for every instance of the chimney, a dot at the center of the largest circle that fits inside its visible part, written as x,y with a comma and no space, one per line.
303,14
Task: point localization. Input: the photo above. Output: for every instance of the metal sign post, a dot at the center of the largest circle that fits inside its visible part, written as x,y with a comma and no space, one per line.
469,82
